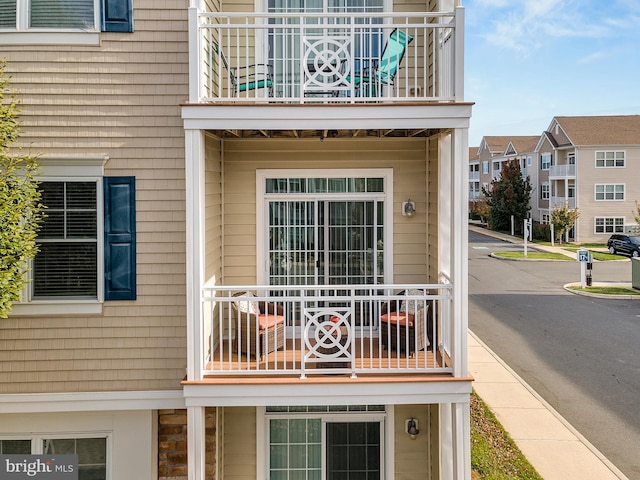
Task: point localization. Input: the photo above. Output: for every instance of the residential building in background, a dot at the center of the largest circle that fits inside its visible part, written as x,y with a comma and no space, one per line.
578,162
591,163
254,258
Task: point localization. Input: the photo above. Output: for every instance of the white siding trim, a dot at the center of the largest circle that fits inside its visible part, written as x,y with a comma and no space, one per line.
91,401
356,393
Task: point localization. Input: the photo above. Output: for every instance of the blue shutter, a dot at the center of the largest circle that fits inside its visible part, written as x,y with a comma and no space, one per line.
117,15
120,238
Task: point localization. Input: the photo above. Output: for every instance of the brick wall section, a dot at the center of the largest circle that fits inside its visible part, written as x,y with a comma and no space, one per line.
172,444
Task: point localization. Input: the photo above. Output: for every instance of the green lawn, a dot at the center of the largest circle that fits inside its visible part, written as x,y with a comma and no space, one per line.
607,290
533,255
494,455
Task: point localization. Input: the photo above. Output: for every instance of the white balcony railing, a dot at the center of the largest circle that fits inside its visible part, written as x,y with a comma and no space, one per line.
561,202
562,171
327,58
260,330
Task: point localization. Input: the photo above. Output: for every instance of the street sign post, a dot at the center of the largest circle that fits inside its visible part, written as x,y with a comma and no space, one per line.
584,257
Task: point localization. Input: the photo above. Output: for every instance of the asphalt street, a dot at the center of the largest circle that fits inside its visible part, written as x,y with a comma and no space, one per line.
581,354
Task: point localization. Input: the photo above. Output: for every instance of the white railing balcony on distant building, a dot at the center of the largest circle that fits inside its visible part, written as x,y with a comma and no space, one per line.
332,58
315,330
562,171
474,175
561,202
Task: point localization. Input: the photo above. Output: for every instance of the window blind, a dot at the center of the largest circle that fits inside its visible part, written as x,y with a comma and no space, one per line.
7,13
62,14
66,264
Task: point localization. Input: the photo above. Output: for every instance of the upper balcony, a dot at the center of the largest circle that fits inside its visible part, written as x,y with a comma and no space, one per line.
334,58
560,172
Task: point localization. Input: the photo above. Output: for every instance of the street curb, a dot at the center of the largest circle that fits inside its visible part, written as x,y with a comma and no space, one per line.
554,412
601,295
493,255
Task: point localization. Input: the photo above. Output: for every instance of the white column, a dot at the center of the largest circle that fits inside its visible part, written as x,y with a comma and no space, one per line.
460,248
446,443
461,418
194,53
196,443
194,179
455,441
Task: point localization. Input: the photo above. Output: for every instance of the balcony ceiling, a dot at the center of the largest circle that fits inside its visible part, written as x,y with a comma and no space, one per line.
322,134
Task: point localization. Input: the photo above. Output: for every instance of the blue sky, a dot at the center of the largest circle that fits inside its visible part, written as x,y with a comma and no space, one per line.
527,61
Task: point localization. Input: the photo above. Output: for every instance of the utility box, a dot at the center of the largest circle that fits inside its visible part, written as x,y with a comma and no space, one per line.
635,273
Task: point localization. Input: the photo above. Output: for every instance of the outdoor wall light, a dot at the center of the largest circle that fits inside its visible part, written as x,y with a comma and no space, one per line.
408,208
411,427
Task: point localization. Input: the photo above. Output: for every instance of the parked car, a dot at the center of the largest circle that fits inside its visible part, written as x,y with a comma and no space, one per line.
625,244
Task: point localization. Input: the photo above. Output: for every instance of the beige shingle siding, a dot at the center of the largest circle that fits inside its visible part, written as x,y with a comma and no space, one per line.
120,99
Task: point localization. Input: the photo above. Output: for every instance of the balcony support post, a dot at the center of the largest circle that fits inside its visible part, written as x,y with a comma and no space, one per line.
459,55
194,179
196,443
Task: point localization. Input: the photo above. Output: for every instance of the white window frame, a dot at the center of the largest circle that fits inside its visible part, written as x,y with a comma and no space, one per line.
604,225
485,167
604,192
69,170
545,191
38,439
604,159
545,219
24,34
262,209
386,420
545,161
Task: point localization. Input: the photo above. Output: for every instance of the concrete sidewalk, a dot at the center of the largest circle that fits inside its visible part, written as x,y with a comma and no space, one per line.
550,443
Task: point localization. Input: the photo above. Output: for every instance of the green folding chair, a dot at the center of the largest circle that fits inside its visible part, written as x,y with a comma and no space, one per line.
369,81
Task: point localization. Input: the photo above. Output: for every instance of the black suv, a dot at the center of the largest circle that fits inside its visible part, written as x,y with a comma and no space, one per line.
627,244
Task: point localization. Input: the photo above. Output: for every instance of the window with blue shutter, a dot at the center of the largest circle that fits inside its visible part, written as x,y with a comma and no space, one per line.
120,238
117,15
47,15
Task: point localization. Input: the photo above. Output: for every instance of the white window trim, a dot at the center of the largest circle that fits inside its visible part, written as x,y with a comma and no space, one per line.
22,34
37,441
595,220
542,163
66,169
595,192
386,419
262,202
542,191
485,167
595,158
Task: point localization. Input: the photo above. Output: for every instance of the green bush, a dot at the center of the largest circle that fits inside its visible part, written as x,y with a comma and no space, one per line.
542,232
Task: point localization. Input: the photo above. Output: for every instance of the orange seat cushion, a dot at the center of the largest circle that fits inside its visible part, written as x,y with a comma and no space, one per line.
268,320
398,318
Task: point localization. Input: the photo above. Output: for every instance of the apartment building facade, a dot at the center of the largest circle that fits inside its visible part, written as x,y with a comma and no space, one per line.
590,163
260,273
584,162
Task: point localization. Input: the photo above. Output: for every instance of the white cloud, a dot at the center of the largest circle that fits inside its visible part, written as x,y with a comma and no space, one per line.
528,24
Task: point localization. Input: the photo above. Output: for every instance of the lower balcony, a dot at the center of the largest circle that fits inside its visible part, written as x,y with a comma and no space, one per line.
326,330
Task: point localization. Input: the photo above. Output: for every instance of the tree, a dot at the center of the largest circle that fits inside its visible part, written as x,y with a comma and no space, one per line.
636,213
563,219
509,195
20,209
481,209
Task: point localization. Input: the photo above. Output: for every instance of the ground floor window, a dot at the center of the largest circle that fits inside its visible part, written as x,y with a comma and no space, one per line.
609,224
91,452
318,443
